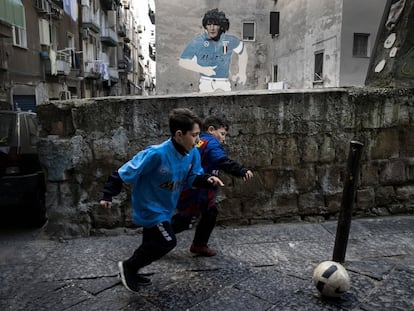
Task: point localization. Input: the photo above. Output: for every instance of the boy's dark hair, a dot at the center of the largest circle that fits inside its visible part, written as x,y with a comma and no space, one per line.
183,119
216,122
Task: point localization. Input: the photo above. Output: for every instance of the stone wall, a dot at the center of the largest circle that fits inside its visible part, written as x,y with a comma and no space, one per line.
296,142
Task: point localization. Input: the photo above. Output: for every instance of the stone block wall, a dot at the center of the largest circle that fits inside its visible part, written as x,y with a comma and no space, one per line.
296,142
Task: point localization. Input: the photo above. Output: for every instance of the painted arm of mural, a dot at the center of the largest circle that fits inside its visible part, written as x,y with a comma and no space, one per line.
241,76
191,64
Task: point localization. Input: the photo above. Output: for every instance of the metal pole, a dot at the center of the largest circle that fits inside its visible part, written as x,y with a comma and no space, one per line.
348,198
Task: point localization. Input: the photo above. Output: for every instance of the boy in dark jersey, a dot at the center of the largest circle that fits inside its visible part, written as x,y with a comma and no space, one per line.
158,174
194,202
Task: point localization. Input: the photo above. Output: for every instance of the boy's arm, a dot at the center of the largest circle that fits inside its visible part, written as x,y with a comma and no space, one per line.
112,187
207,181
231,167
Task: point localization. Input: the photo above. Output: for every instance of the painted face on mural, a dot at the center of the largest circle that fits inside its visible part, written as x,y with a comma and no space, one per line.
213,30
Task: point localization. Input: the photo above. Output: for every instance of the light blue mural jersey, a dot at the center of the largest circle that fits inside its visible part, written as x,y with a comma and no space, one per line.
158,174
213,53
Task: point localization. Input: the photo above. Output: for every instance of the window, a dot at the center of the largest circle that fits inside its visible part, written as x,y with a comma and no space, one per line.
248,31
19,37
360,48
274,73
318,73
274,23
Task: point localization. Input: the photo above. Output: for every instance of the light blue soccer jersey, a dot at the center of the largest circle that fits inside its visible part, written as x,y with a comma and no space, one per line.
158,174
213,53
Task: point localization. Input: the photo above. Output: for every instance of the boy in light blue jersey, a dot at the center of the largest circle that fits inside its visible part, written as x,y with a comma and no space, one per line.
158,174
194,203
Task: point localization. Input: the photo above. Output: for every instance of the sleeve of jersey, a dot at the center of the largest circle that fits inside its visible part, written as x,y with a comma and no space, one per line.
196,168
237,44
143,162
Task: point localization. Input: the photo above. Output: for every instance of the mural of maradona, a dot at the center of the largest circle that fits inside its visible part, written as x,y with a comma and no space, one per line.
210,54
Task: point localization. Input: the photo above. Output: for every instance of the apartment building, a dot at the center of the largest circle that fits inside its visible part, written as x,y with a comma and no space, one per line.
290,43
62,49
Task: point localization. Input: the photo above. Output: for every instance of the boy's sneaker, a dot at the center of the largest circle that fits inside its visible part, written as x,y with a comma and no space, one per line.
131,280
202,250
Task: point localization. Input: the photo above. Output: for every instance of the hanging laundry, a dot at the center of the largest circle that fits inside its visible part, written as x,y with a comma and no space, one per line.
53,67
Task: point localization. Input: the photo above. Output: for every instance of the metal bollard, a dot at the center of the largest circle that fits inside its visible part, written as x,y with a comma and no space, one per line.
348,198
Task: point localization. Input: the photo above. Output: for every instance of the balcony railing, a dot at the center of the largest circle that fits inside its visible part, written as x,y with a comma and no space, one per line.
90,19
109,37
92,69
63,61
113,74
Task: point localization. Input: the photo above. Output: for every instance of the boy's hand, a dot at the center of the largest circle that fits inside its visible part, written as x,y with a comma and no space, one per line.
215,181
248,175
105,204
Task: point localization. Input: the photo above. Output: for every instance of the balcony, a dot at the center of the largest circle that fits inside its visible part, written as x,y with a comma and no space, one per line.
109,37
152,51
113,74
122,30
125,64
63,62
128,35
93,69
55,11
60,62
90,19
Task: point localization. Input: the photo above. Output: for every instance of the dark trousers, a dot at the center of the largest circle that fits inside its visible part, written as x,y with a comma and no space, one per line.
157,241
204,228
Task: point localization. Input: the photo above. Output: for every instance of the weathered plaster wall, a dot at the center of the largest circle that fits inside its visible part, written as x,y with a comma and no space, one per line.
296,142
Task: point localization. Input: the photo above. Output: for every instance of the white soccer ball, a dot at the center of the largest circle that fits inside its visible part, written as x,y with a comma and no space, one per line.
331,279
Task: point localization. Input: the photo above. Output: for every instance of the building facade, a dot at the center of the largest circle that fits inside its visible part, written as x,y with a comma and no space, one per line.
62,49
290,43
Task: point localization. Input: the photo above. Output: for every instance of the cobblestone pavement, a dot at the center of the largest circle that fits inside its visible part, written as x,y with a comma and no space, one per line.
263,267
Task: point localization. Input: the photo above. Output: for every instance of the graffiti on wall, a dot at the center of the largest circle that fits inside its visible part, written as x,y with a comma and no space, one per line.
210,54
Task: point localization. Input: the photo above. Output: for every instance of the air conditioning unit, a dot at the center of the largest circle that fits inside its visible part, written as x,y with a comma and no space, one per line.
281,85
64,95
85,3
